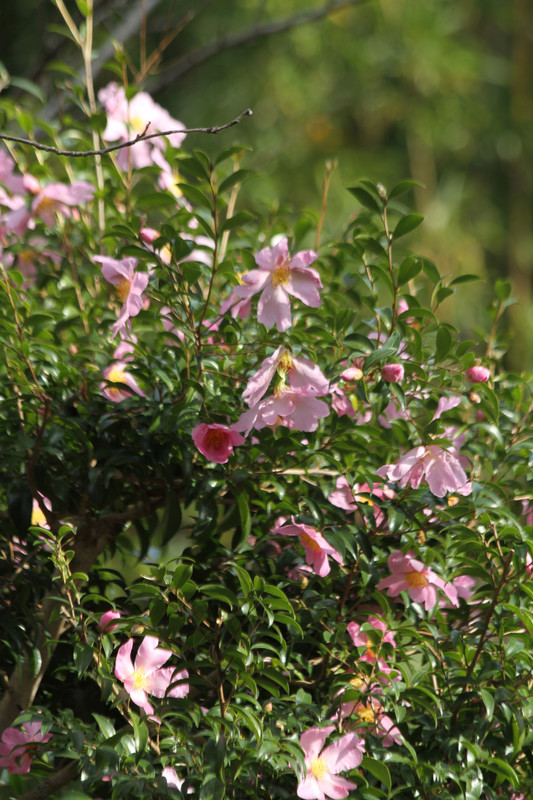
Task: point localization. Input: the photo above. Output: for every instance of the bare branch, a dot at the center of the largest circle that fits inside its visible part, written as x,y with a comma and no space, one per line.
142,137
203,54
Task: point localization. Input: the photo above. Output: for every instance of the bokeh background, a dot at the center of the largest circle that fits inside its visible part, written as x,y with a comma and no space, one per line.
438,91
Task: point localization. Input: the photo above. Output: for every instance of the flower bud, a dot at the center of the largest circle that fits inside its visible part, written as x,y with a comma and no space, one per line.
393,373
105,619
478,374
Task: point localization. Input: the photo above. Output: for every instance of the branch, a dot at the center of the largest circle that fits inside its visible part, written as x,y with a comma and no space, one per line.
52,784
140,138
203,54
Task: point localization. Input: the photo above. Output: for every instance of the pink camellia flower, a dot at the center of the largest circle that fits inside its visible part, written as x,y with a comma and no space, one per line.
409,574
171,777
322,766
293,408
302,374
127,119
350,498
442,468
147,675
279,276
445,404
478,374
17,747
52,199
393,373
340,403
360,638
317,549
215,441
129,285
104,623
379,722
120,379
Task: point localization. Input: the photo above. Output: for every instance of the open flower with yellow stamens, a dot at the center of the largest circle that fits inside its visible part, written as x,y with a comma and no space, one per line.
147,675
279,276
117,381
317,549
409,574
129,286
301,373
322,766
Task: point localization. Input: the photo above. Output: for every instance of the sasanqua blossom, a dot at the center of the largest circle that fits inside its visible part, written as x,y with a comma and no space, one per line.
322,765
17,747
215,441
294,408
442,469
301,372
147,675
317,549
129,286
410,575
278,277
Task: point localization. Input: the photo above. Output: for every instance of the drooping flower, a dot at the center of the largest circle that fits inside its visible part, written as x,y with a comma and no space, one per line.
301,372
105,621
409,574
442,469
116,382
294,408
215,441
127,119
350,498
17,747
279,276
322,765
147,675
317,549
129,285
478,374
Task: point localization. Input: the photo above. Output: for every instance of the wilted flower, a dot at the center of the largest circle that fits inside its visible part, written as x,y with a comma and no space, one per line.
147,675
17,747
215,441
323,765
317,549
409,574
442,469
129,285
279,276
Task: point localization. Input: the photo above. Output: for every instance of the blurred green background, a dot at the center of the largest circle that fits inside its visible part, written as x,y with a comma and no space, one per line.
436,90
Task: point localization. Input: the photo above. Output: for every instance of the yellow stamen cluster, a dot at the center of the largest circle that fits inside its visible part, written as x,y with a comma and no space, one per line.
309,543
281,276
37,517
366,714
123,289
285,363
139,679
319,768
417,580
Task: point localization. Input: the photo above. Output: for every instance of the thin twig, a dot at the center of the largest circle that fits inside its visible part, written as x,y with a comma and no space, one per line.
140,138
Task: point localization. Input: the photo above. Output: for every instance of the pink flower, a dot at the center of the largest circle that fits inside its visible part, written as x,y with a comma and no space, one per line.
278,277
317,549
408,574
445,404
393,373
340,403
171,777
349,499
17,747
302,374
129,284
216,442
105,620
442,468
360,638
125,120
322,766
293,408
147,675
117,375
58,198
371,714
478,374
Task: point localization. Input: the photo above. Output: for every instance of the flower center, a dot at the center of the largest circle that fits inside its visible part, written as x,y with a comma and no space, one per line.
281,276
116,375
319,768
309,543
417,580
358,681
366,714
46,204
361,498
138,124
123,289
285,363
215,438
38,518
139,678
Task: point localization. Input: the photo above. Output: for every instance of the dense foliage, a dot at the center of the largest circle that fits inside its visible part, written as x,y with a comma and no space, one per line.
265,518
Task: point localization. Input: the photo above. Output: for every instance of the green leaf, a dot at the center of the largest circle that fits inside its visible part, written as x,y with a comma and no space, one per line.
443,342
233,179
409,268
378,769
365,199
195,196
467,278
244,512
401,188
237,221
407,224
218,592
